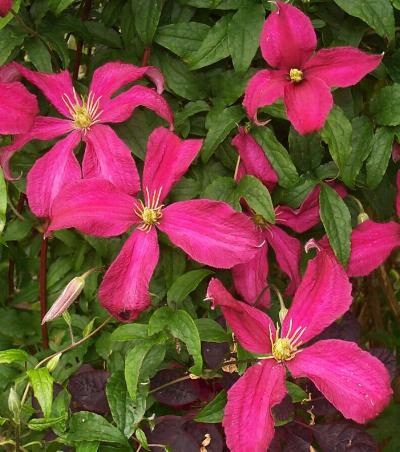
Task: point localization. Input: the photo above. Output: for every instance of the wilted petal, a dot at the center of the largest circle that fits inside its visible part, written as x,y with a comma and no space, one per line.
308,104
167,160
322,297
288,38
108,157
95,207
371,245
250,326
354,381
124,291
341,66
248,421
51,173
5,6
211,232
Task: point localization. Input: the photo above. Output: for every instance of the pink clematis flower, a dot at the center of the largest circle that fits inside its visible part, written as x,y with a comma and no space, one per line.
18,107
398,194
354,381
106,156
303,79
210,232
5,6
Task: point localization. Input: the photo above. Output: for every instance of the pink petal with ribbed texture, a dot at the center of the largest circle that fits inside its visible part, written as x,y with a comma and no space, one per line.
354,381
95,207
288,38
9,73
51,173
264,88
250,325
250,279
108,157
124,291
398,194
54,86
167,160
211,232
248,421
18,108
120,108
288,254
308,104
371,245
341,66
253,159
5,6
323,296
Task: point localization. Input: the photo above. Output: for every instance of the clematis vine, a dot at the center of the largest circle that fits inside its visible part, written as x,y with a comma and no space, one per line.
301,77
210,232
106,155
354,381
5,6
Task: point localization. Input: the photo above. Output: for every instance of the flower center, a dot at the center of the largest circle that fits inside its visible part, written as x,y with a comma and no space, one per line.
282,349
149,212
260,221
296,75
84,112
286,348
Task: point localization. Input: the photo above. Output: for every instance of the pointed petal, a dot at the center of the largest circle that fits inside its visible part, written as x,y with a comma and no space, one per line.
264,88
18,108
341,66
211,232
95,207
250,326
248,421
120,108
51,173
354,381
371,245
167,160
308,104
250,279
324,295
108,157
288,254
253,159
288,38
124,291
398,194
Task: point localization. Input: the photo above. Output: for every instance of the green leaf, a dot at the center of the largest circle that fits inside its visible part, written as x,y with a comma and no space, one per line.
385,106
257,197
146,16
38,53
141,437
4,20
378,14
42,384
3,201
224,189
305,150
9,40
185,284
336,219
378,160
296,393
159,320
130,332
214,46
211,331
88,446
58,6
44,423
277,155
12,355
243,35
294,196
213,412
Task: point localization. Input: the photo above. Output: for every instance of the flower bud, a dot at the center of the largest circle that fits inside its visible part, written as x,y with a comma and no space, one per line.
14,403
52,363
362,217
5,6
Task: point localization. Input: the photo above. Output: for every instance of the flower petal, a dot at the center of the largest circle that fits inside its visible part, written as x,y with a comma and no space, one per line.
308,104
250,326
167,160
9,73
288,38
354,381
18,108
398,194
108,157
288,254
211,232
124,291
341,66
253,159
5,6
50,173
264,88
250,279
248,421
322,297
371,245
95,207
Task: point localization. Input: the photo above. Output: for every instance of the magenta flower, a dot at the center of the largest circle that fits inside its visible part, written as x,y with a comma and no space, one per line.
106,156
354,381
5,6
303,79
18,107
398,194
210,232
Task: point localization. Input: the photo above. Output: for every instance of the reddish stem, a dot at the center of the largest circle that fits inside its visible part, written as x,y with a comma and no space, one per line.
43,291
146,56
87,6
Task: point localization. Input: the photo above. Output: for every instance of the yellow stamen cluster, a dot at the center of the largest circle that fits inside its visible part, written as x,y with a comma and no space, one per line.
296,75
149,212
260,221
286,348
84,112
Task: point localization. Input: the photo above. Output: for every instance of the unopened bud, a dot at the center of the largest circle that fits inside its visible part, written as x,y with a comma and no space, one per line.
14,403
362,217
52,363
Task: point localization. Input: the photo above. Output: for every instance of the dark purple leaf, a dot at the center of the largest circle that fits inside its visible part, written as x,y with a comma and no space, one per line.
199,431
229,379
319,405
214,353
388,359
292,437
284,411
347,329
